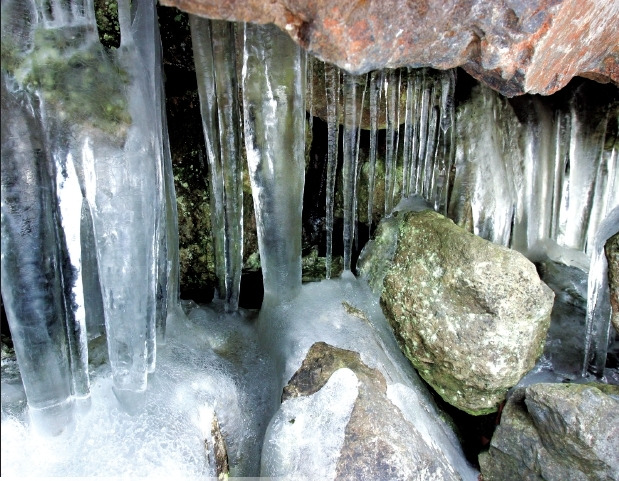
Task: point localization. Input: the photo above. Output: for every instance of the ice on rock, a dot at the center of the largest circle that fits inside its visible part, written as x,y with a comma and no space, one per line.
344,313
210,365
304,438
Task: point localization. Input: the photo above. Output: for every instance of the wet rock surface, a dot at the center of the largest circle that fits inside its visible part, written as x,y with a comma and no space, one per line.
513,46
556,432
471,316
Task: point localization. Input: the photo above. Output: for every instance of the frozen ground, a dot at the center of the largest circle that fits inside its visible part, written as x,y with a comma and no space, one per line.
210,363
216,362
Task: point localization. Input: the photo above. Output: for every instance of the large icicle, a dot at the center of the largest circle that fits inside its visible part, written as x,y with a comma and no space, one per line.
215,59
598,302
354,90
123,180
31,285
585,154
332,91
274,78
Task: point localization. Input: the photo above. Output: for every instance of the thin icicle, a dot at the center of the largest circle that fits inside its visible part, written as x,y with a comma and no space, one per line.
447,140
352,86
309,107
414,167
392,94
376,87
214,54
408,134
332,90
423,131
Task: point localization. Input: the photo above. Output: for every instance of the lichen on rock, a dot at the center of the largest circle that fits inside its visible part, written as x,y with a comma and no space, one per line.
470,315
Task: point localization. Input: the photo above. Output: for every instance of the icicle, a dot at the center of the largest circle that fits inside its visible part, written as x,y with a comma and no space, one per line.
353,85
446,141
392,95
214,54
561,163
598,302
69,236
174,309
585,153
332,91
423,132
408,134
376,87
416,104
310,94
488,162
274,76
428,169
123,190
31,285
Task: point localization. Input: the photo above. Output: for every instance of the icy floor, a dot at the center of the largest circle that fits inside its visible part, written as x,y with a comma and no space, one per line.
215,362
210,362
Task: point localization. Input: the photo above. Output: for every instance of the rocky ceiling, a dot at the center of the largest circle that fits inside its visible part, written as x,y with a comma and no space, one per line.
514,46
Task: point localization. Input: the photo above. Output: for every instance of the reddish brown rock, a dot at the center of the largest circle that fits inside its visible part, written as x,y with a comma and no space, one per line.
515,46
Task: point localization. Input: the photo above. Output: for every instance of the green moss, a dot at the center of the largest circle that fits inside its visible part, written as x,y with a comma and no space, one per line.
74,76
106,14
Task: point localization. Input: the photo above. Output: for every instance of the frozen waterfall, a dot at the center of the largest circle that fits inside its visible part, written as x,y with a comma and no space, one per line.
89,220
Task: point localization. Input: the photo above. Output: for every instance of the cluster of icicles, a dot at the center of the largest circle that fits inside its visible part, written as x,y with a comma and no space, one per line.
71,188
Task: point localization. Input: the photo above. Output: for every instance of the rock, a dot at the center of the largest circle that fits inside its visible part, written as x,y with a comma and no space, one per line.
612,255
471,316
513,46
555,432
337,421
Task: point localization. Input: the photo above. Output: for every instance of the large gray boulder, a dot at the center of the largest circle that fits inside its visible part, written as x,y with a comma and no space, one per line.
555,432
470,315
337,421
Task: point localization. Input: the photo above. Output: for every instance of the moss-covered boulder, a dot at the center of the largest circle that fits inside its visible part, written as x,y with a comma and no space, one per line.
555,432
471,316
612,255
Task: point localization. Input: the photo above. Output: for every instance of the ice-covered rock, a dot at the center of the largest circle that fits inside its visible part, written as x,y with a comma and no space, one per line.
471,316
555,432
338,421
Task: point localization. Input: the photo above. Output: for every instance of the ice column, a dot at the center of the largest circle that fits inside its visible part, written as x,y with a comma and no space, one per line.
354,91
215,59
488,166
274,77
31,283
123,182
332,91
586,145
598,299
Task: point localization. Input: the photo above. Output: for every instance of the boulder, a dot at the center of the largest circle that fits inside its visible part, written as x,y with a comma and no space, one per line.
612,255
513,46
555,432
337,421
470,315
